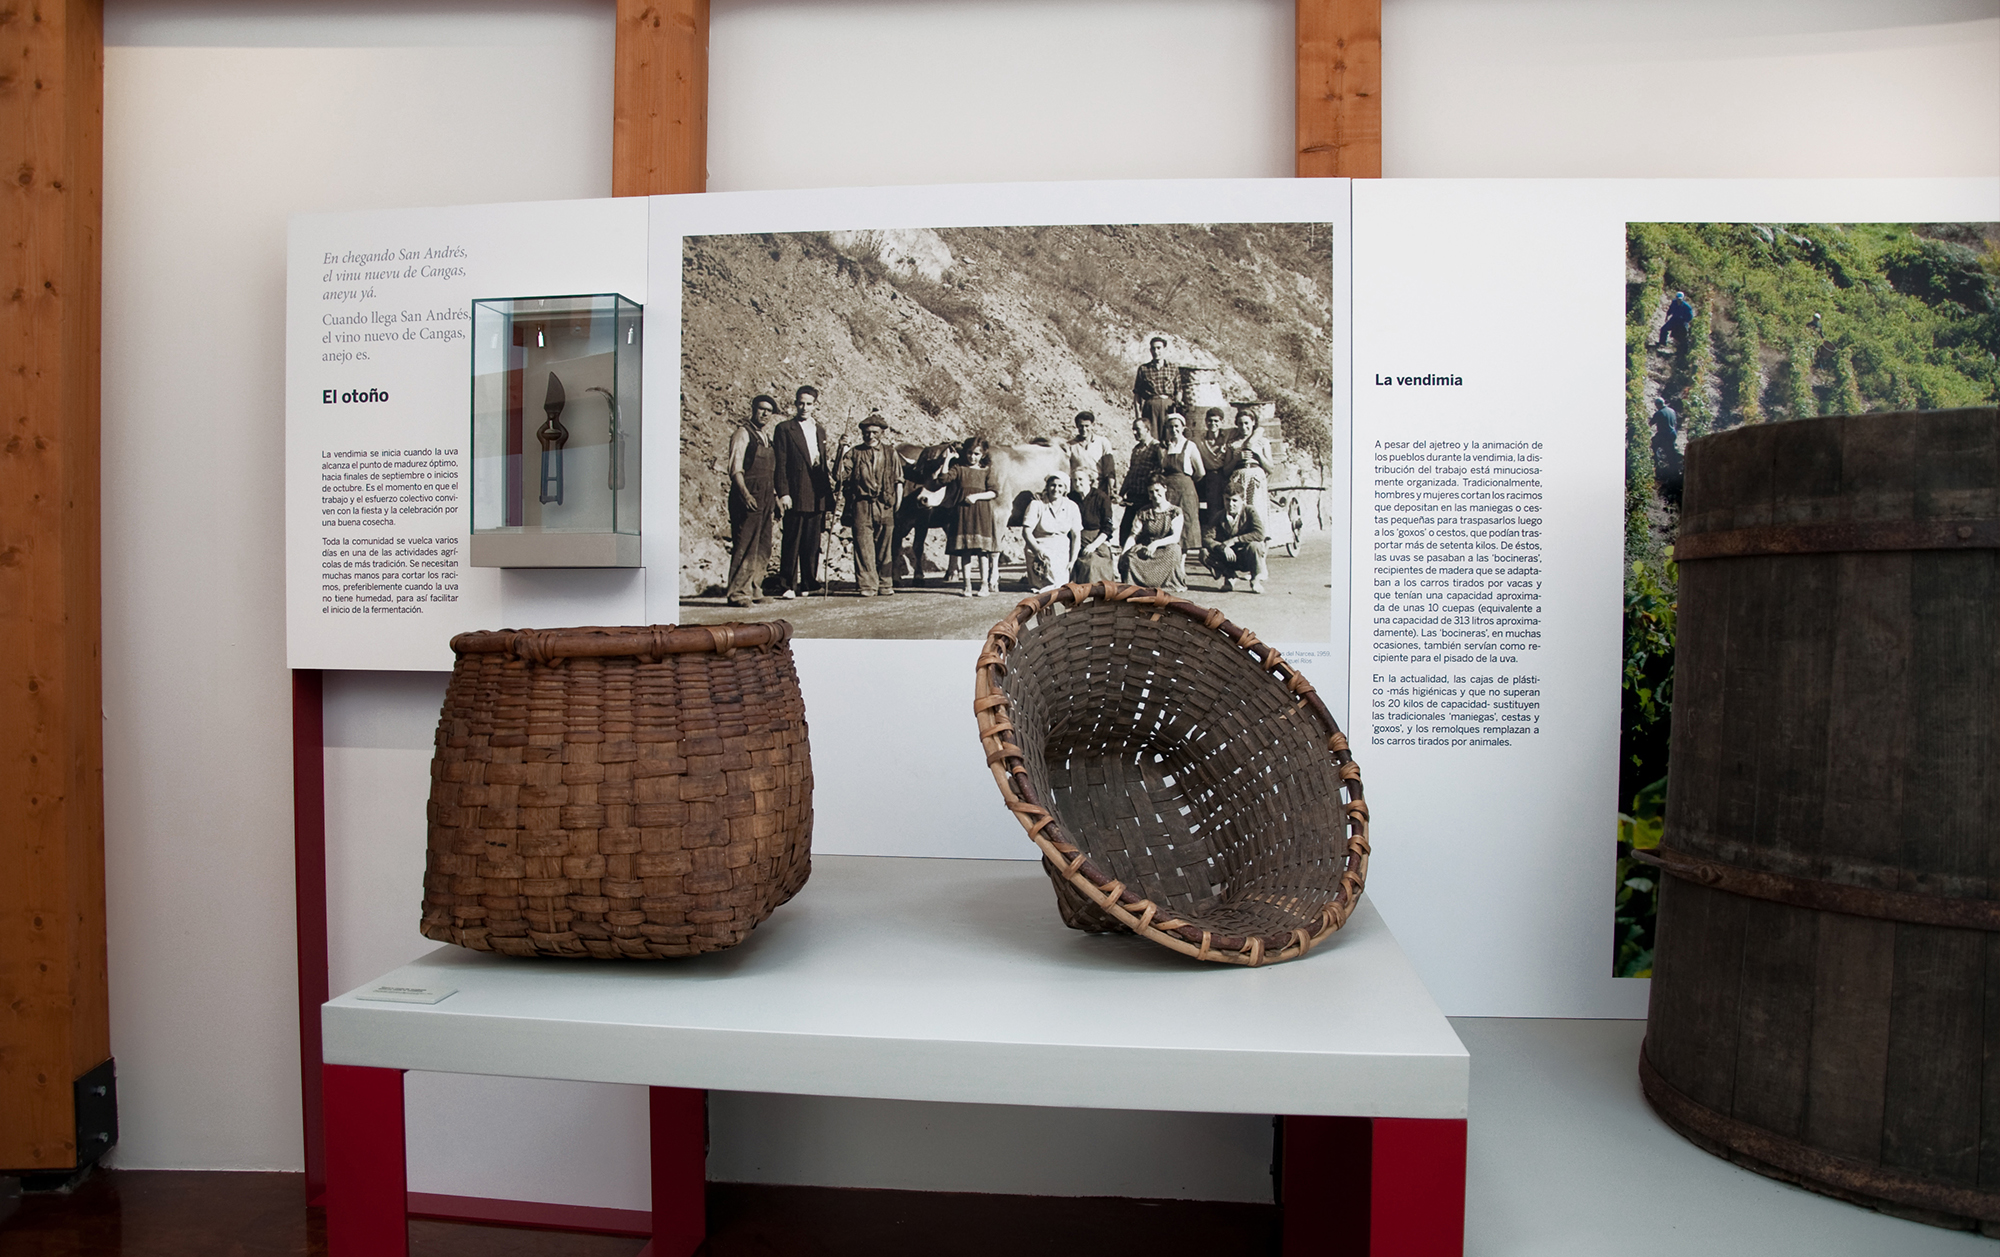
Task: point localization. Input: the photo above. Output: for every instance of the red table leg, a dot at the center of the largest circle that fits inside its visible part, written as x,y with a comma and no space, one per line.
680,1170
366,1174
1385,1186
1417,1195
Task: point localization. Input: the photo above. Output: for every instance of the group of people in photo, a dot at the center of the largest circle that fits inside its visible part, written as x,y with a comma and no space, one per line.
1208,494
1181,492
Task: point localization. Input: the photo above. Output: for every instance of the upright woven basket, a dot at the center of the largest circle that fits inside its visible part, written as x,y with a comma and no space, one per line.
1182,780
617,792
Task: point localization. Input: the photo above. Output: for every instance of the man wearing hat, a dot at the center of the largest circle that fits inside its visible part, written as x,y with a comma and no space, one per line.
1157,387
873,485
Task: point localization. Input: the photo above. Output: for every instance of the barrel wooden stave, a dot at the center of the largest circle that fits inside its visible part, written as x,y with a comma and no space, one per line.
1873,729
1837,718
1932,1089
1854,981
1952,803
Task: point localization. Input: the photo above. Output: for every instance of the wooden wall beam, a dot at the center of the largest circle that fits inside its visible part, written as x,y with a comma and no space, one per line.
1340,88
659,98
54,1013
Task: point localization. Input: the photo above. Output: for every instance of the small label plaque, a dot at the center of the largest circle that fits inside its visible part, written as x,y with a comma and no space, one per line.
389,992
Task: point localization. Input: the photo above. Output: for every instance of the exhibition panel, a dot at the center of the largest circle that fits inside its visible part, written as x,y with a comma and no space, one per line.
1357,525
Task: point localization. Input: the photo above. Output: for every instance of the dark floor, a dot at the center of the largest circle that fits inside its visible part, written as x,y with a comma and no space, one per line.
157,1213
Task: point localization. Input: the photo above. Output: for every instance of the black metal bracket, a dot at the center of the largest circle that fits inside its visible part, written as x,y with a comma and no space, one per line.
95,1097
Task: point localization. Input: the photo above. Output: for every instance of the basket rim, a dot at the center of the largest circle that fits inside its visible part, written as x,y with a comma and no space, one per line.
647,642
1149,920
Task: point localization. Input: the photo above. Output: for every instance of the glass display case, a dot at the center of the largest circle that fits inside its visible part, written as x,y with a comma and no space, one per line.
555,431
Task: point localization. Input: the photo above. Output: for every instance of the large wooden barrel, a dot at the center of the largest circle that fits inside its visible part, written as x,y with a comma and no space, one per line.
1826,985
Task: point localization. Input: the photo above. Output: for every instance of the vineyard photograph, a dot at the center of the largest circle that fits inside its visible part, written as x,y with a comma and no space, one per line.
1743,323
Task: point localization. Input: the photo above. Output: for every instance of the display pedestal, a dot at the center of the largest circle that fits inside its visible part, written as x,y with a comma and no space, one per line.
944,980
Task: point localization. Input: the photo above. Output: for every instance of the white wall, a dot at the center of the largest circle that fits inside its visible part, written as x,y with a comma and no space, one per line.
223,118
209,146
1690,88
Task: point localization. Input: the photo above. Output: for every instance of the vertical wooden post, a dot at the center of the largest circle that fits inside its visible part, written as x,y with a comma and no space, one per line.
54,1015
1340,88
659,98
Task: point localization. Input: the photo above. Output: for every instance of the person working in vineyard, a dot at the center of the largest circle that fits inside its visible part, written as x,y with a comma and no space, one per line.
1669,469
1680,313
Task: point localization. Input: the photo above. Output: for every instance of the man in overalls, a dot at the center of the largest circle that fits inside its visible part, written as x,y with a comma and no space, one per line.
753,503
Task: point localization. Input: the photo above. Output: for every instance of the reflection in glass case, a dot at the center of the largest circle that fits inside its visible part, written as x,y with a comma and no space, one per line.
555,431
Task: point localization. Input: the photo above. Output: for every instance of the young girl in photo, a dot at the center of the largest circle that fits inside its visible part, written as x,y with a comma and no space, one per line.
974,541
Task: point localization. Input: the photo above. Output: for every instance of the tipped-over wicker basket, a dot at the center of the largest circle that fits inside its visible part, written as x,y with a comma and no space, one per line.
617,792
1182,780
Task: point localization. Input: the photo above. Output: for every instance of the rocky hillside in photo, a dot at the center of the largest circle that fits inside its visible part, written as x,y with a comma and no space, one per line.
1006,332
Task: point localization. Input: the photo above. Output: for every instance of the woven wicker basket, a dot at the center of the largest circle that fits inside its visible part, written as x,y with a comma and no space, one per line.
617,792
1182,781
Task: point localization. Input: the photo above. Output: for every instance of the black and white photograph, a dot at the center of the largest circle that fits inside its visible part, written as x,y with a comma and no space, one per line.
897,433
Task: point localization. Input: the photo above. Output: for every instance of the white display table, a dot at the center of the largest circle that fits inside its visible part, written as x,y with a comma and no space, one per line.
949,980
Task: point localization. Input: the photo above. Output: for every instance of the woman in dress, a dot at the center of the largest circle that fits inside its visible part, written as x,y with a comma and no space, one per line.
1139,473
1053,529
973,539
1249,463
1153,555
1181,467
1097,557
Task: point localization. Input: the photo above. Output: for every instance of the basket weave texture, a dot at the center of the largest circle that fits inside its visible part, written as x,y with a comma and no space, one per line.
1182,780
617,792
